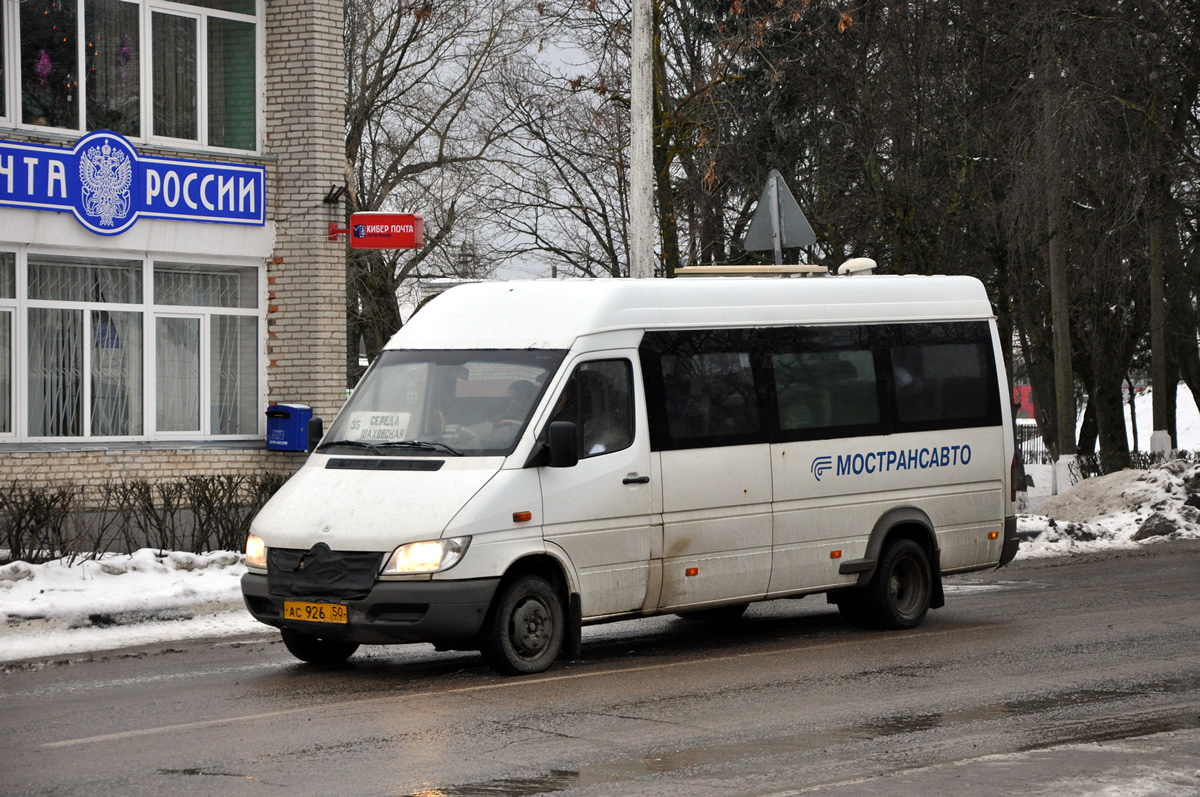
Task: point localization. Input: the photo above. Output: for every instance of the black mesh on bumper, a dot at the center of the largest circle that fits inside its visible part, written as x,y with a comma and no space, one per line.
348,575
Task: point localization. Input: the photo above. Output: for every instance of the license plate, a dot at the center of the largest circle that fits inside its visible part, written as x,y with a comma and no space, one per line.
314,612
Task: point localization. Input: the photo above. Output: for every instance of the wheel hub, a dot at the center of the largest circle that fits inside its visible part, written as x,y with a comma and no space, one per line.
904,586
530,627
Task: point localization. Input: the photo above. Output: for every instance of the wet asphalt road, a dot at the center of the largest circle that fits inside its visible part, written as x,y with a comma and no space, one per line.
1070,676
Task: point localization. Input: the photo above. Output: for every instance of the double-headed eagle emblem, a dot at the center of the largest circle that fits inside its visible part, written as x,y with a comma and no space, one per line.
105,175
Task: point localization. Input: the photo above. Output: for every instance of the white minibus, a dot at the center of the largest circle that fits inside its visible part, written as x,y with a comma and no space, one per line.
526,458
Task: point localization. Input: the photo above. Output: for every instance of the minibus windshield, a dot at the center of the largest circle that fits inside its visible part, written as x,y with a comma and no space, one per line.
462,402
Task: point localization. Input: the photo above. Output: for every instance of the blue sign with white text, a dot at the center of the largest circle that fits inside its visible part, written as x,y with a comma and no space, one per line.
889,460
108,186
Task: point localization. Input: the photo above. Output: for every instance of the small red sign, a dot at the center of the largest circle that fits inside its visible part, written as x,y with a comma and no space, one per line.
376,230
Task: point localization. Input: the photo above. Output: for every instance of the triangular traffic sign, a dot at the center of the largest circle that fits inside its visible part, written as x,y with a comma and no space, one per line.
794,230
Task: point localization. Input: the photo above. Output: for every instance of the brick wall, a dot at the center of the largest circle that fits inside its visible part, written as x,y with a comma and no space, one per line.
306,320
94,467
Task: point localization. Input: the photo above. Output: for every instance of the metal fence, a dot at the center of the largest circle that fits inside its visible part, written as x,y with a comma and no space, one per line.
1031,445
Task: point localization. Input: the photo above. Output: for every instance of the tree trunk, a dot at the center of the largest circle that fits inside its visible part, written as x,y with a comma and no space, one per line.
1110,416
1064,379
1134,446
1089,432
664,143
1158,319
1060,304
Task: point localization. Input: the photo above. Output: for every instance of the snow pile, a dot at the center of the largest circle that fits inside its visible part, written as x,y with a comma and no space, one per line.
1119,510
120,599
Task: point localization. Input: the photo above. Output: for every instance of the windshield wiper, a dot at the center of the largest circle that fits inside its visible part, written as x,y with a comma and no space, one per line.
373,447
377,448
423,445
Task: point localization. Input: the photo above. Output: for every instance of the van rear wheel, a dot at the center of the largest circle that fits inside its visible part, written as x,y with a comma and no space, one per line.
315,650
899,594
524,631
902,587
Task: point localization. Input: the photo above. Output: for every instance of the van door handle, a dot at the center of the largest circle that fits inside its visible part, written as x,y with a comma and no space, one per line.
636,480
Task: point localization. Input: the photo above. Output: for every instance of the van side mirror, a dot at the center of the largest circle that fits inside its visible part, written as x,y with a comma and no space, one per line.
564,444
316,430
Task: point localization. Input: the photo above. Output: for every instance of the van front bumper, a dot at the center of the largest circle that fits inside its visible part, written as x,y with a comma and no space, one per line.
392,612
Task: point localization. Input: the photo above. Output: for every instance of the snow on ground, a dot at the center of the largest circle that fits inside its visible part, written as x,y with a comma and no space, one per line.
150,596
64,608
1118,511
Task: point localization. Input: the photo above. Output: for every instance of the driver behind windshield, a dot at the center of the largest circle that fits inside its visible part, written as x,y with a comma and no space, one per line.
500,429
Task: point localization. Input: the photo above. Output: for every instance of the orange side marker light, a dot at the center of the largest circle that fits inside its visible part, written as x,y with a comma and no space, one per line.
692,571
522,517
993,535
835,554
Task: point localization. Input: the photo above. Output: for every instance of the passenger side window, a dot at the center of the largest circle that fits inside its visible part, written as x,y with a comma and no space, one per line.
709,395
598,399
818,390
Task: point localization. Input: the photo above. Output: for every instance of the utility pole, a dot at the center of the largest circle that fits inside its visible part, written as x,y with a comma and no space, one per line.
641,142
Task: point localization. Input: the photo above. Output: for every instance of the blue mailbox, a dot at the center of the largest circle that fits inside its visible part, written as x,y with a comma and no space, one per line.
287,427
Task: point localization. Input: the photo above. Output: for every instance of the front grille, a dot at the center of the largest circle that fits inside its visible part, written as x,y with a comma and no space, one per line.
321,572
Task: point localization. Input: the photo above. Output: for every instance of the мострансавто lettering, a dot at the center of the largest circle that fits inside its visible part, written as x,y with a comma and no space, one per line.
903,459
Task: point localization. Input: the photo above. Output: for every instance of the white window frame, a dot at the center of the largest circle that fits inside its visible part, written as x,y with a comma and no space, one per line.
150,312
8,308
152,388
205,314
21,349
11,85
147,8
201,76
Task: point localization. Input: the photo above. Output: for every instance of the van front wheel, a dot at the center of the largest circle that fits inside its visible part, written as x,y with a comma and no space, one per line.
315,650
524,631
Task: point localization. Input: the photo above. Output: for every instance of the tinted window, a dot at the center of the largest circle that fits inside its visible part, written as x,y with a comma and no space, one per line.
827,389
737,386
709,395
944,376
702,388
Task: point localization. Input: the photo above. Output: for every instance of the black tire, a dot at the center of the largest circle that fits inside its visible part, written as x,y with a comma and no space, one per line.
901,590
718,615
316,650
524,631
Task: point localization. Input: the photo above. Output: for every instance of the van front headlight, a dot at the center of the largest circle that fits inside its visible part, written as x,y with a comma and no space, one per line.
256,552
428,556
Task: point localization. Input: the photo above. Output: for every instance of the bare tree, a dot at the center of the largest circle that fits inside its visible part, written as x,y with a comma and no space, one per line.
561,187
423,112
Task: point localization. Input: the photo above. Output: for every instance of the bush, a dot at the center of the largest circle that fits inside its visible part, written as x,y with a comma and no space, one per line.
196,514
35,518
